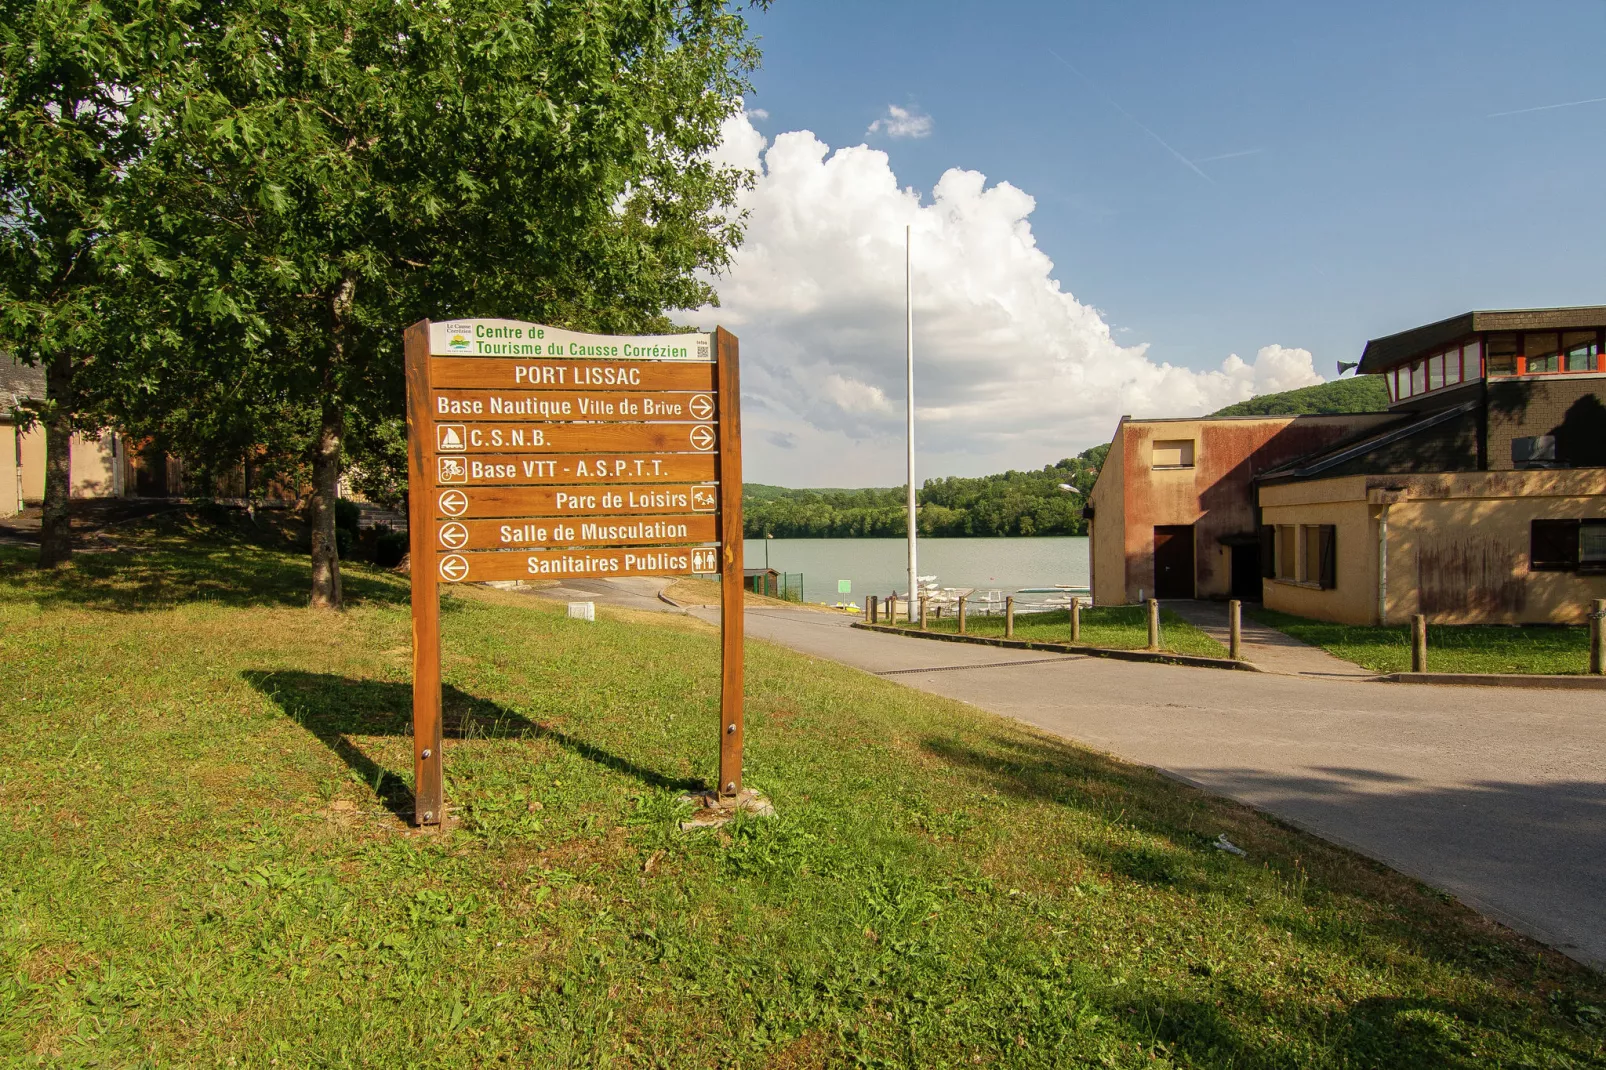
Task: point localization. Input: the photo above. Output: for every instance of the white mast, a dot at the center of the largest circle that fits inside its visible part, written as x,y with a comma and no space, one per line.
909,340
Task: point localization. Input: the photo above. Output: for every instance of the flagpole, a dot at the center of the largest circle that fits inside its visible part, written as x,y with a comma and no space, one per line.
909,348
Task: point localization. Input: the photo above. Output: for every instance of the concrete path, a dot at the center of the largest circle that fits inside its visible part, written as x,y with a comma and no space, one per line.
1496,795
630,592
1264,647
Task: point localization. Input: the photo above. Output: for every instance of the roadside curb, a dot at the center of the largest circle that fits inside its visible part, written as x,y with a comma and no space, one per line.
1498,679
1195,661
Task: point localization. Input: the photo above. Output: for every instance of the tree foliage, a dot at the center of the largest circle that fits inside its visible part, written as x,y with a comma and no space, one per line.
1013,503
329,171
1364,393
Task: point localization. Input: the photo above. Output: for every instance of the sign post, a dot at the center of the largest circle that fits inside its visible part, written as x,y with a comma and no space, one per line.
540,453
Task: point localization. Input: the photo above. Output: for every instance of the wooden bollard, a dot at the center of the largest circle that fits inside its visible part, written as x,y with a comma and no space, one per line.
872,608
1235,629
1076,619
923,613
1597,638
1419,643
961,614
1009,617
892,609
1154,624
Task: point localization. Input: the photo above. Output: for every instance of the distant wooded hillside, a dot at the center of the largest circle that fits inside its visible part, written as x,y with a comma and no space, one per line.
1364,393
1012,503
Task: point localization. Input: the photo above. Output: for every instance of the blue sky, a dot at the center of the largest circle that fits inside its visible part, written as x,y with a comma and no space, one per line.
1217,178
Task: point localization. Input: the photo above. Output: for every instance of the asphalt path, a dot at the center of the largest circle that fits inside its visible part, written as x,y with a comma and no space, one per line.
1496,795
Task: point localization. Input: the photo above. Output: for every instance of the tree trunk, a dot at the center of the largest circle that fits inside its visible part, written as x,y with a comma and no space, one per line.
325,492
326,455
55,531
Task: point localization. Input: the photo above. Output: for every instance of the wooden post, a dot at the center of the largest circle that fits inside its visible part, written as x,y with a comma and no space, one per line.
1009,616
1076,619
1419,643
1235,610
1597,638
1154,624
427,768
923,613
961,614
728,377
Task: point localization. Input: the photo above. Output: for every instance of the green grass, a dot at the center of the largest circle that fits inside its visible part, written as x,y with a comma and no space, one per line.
202,862
1117,627
1534,648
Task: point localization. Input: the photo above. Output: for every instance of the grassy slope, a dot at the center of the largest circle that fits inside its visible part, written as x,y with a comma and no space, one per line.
201,862
1120,627
1364,393
1451,648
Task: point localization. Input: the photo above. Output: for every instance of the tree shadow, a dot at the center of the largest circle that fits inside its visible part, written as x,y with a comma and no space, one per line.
335,708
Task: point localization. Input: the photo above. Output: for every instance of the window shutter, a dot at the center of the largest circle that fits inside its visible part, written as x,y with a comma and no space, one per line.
1329,556
1268,552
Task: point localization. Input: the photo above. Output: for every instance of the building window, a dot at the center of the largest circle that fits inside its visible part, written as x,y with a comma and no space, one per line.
1536,451
1553,546
1173,453
1287,552
1580,351
1500,354
1592,546
1543,351
1320,565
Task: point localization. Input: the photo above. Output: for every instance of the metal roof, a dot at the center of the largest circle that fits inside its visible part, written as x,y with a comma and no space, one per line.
1382,354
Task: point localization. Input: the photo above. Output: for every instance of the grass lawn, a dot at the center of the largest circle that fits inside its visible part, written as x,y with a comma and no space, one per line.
1531,648
203,861
1120,627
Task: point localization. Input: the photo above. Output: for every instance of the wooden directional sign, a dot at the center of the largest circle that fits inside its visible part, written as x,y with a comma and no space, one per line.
540,453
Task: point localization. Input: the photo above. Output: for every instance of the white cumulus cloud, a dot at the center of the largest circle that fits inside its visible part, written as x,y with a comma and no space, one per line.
901,122
1010,369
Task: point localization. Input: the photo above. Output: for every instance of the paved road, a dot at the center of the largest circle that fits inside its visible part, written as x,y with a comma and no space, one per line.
1497,795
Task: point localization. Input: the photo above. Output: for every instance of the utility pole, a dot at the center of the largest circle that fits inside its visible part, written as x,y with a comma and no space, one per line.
909,347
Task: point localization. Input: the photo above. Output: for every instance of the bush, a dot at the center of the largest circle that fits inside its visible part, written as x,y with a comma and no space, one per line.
347,515
345,539
390,548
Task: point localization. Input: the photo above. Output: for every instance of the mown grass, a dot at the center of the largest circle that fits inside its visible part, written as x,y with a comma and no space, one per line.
1550,649
1116,627
202,862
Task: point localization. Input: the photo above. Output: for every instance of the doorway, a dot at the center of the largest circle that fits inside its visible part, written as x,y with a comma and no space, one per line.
1246,577
1173,561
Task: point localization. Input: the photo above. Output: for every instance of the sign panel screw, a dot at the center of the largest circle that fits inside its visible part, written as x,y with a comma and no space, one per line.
730,729
731,786
426,752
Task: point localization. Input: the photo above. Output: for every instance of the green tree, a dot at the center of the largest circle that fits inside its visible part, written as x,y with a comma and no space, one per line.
72,120
332,170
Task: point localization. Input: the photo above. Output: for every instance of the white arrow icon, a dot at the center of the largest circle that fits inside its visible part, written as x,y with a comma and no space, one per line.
702,406
453,567
454,536
702,437
454,502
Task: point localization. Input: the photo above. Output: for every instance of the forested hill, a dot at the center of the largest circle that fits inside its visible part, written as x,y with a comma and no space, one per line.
1013,503
1364,393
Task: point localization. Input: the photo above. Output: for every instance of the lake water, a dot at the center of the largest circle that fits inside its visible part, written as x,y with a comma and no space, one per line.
880,566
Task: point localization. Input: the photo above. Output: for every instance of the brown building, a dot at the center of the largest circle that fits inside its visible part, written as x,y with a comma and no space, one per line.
1173,512
1480,496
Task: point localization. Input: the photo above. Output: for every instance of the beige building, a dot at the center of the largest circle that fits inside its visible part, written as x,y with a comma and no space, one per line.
98,465
1484,501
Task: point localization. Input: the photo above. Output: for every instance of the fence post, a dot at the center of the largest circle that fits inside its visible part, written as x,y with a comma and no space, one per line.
923,613
1597,638
1009,616
1419,643
1235,629
1154,624
961,614
892,609
1076,619
870,609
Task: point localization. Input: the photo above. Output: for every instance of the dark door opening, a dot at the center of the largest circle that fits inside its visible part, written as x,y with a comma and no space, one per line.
1173,561
1246,578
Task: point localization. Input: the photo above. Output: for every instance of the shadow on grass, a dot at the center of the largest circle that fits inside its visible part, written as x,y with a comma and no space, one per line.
145,571
335,708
